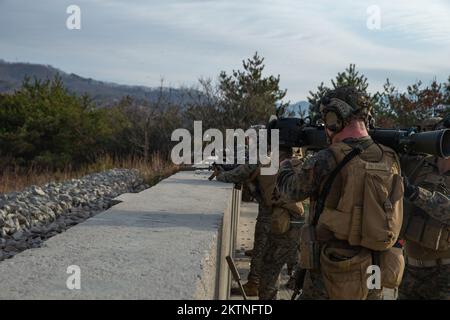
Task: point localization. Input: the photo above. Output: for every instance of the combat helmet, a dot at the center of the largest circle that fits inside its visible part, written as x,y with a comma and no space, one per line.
340,105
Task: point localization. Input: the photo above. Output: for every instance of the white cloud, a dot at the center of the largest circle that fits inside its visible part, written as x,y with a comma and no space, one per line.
305,42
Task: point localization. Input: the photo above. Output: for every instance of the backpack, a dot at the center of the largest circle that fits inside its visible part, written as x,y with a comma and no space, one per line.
369,212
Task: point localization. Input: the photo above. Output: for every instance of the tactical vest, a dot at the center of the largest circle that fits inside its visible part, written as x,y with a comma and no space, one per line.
427,238
282,212
364,210
364,206
266,185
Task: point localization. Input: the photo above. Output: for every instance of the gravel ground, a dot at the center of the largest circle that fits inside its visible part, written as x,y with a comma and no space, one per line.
29,217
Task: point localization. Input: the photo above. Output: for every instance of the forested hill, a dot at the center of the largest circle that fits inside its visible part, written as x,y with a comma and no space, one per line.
103,93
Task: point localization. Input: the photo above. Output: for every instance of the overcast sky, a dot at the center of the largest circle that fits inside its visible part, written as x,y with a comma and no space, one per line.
306,42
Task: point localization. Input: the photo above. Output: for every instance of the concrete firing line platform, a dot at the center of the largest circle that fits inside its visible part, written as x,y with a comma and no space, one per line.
158,244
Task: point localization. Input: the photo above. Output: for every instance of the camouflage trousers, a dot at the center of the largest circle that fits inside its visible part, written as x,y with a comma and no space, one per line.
431,283
262,231
313,287
281,249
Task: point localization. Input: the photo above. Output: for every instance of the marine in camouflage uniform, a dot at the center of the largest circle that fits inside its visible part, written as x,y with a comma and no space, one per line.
281,248
303,182
242,174
307,181
427,272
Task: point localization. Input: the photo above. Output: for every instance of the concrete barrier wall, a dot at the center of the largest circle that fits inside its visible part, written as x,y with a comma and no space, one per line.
228,236
166,242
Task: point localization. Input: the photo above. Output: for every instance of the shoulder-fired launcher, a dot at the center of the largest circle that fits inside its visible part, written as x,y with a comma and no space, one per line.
296,132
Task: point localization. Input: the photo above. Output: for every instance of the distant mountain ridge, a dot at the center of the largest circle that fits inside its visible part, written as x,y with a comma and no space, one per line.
299,108
103,93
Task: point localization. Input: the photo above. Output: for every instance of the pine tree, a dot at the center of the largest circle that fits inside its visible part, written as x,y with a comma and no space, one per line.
383,106
249,98
350,77
314,101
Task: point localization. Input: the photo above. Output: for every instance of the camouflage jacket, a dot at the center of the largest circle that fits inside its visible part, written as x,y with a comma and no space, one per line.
305,181
261,186
240,174
434,188
435,203
432,198
297,183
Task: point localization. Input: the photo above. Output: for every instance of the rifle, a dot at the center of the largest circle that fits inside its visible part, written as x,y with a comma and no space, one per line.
235,275
296,132
215,166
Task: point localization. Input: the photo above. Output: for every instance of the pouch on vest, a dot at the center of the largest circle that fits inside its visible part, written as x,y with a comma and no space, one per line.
427,231
344,225
309,248
383,209
281,220
392,265
369,212
344,272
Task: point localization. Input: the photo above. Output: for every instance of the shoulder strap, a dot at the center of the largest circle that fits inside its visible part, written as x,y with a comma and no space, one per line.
320,204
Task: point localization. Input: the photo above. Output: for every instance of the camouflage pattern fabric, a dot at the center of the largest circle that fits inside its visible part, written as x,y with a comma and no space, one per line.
433,199
238,175
241,174
313,287
299,183
281,248
435,204
262,231
302,182
434,187
292,262
426,283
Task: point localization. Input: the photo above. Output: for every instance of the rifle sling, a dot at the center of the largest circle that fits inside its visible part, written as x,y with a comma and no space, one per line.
320,204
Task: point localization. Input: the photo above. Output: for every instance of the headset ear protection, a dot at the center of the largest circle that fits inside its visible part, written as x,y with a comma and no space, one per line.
333,121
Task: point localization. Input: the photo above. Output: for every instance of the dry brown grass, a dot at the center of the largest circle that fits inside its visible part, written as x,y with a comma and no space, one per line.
154,170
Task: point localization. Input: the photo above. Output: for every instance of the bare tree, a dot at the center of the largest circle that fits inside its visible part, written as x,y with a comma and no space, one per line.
152,123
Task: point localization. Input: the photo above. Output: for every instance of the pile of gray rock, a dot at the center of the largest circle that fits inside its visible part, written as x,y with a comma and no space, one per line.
29,217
